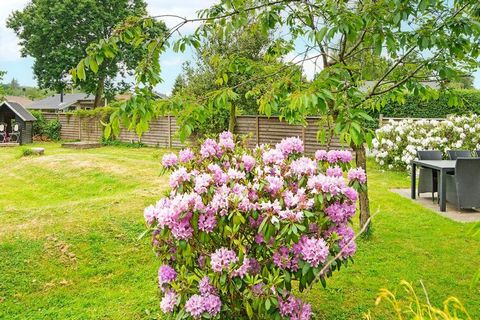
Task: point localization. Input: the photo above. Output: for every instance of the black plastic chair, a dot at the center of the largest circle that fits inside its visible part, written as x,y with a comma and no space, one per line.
463,188
428,179
455,154
478,153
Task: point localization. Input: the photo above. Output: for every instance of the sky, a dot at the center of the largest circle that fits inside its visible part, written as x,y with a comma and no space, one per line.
21,68
171,62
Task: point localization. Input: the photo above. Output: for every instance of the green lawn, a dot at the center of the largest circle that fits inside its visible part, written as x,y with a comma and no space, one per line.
69,223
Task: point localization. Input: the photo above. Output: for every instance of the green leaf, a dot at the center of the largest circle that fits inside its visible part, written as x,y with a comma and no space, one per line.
93,65
81,70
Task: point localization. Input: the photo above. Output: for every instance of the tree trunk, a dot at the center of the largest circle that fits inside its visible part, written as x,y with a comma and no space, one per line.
361,161
99,92
232,120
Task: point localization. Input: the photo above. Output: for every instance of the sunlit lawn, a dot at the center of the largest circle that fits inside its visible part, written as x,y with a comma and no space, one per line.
69,223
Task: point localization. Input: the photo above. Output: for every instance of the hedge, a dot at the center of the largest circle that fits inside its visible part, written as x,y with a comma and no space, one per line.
415,107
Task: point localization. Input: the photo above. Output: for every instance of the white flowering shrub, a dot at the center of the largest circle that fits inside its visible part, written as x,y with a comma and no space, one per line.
396,143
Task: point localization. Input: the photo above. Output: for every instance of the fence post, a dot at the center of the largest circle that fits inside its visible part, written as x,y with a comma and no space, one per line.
380,120
257,126
169,131
80,128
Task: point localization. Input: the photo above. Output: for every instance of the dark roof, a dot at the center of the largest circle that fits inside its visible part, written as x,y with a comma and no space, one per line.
19,110
53,102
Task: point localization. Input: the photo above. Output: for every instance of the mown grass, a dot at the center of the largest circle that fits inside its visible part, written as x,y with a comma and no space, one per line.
69,223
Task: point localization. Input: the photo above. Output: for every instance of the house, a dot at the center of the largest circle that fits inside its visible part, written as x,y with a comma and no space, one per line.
24,101
64,102
12,113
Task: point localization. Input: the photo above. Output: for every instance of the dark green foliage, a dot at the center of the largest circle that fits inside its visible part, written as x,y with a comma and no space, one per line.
46,129
416,107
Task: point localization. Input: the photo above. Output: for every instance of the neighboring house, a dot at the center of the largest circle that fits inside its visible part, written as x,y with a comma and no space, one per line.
64,102
12,113
24,101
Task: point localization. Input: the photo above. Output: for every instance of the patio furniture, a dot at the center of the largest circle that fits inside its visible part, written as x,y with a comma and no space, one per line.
463,187
478,153
442,167
15,133
427,179
455,154
3,133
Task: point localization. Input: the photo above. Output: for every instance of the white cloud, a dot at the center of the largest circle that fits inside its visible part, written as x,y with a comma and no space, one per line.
9,49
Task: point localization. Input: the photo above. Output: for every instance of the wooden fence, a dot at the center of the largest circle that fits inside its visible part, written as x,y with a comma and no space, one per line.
162,131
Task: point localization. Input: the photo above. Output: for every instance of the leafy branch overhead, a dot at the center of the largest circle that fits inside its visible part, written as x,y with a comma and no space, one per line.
416,41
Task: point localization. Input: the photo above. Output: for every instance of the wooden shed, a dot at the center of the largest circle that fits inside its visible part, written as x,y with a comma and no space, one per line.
14,113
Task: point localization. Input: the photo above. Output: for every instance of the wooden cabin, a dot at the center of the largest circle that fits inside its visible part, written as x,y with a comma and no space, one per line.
12,113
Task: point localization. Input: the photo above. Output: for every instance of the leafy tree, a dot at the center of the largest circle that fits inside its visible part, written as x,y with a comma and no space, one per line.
14,85
442,36
57,33
178,85
231,62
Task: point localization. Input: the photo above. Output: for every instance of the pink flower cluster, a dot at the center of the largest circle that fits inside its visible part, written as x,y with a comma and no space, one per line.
207,301
294,308
357,174
233,212
222,258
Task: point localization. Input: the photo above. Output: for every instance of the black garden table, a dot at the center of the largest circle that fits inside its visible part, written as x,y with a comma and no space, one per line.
442,166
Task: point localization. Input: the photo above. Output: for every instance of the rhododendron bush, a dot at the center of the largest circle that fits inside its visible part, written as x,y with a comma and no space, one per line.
241,227
397,142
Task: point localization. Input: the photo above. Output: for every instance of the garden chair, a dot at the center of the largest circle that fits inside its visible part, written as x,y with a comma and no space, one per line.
15,133
463,187
3,133
428,179
455,154
478,153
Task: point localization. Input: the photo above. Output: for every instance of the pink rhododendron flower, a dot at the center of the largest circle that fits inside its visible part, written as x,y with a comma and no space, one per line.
290,145
336,156
222,258
340,212
248,162
195,306
169,160
209,149
186,155
314,251
303,166
169,301
295,309
179,176
226,141
166,274
357,174
273,156
335,172
346,235
321,155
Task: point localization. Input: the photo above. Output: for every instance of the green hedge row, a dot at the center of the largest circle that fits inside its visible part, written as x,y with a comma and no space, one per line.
414,107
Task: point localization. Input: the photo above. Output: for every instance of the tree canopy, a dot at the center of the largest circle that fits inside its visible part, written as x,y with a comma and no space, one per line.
415,38
57,34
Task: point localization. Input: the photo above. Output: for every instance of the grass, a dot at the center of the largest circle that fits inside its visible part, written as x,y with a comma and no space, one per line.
69,223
